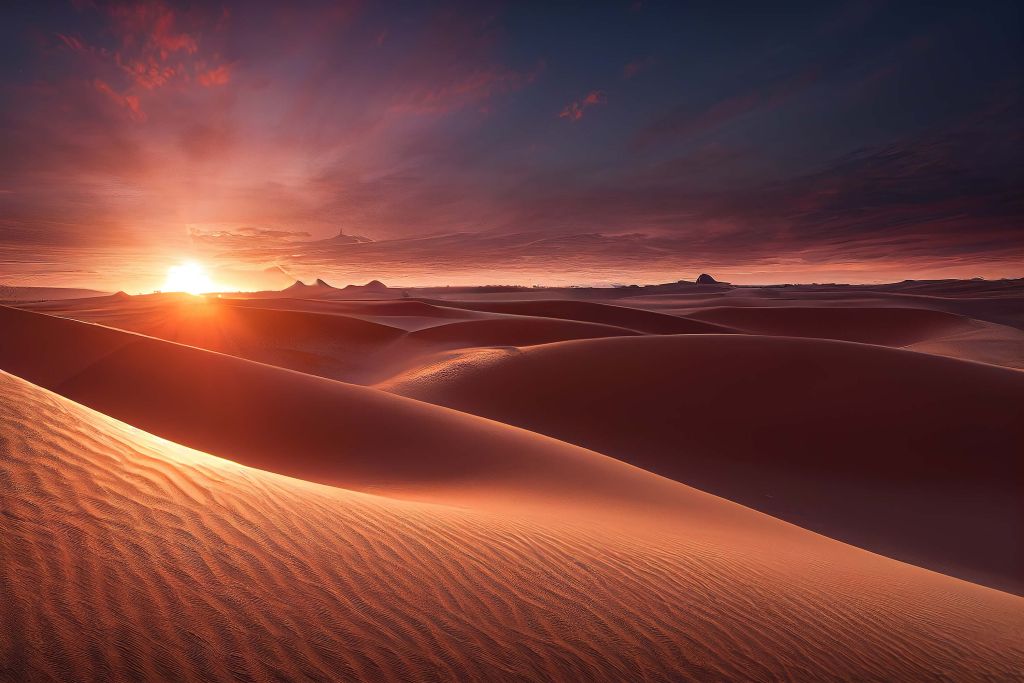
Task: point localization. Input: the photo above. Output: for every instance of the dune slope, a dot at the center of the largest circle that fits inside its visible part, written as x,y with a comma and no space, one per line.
305,426
314,342
867,325
650,322
352,341
158,562
516,331
920,329
914,456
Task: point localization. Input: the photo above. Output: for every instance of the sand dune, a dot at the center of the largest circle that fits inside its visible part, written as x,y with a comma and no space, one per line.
11,293
360,342
888,450
640,320
920,329
418,542
183,309
336,346
914,456
958,288
885,326
332,432
982,342
518,331
352,352
405,314
158,562
1002,304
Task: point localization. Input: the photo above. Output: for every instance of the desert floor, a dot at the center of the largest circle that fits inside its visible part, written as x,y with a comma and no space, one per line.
678,482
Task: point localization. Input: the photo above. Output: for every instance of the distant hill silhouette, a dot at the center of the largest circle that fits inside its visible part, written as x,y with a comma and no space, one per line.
371,286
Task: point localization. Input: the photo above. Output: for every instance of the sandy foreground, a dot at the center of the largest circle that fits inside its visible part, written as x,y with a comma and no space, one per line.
701,483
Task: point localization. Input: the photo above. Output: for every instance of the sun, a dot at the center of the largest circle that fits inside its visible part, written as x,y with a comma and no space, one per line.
188,277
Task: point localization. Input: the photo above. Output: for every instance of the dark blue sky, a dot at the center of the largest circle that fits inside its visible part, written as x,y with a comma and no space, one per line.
857,141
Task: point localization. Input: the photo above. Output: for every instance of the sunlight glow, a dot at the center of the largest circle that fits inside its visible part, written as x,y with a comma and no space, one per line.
188,277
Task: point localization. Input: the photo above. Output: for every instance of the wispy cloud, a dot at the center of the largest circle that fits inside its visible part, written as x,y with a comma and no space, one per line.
574,110
690,119
130,103
149,45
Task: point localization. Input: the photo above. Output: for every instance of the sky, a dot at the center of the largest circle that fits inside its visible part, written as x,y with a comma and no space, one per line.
510,143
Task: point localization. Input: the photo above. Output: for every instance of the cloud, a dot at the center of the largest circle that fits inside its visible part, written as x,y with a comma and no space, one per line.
214,77
73,42
689,120
220,238
150,28
474,87
128,102
450,65
152,45
574,110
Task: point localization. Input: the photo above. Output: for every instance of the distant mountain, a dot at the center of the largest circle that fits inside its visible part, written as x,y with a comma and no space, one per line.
300,287
371,286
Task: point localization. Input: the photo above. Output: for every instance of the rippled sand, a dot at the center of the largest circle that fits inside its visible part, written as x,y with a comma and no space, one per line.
127,556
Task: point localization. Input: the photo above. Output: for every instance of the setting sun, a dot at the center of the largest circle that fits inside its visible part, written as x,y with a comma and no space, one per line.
188,277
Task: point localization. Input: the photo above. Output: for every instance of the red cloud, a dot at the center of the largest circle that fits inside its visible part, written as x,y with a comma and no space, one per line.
148,72
472,88
72,42
574,110
128,102
155,48
151,26
218,76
